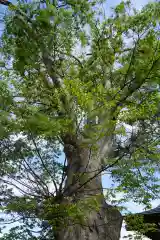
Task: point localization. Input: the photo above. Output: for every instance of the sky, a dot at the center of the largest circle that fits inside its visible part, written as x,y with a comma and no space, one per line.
137,3
106,180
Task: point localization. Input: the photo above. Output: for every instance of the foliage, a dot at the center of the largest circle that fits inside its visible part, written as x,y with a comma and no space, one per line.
68,70
137,223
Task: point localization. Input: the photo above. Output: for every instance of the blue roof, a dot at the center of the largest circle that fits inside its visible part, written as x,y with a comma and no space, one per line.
152,211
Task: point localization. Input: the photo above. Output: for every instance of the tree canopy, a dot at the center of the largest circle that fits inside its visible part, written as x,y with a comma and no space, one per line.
70,73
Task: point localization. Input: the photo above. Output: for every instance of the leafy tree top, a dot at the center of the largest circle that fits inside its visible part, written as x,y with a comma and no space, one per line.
73,76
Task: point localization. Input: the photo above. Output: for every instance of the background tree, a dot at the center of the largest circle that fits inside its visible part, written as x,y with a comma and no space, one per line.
73,80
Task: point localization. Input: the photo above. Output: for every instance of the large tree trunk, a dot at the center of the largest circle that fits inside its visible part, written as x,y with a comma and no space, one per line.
102,224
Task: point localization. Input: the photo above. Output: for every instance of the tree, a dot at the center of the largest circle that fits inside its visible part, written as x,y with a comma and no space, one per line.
73,80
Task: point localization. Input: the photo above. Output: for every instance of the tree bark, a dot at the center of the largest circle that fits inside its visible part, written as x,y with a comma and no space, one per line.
102,224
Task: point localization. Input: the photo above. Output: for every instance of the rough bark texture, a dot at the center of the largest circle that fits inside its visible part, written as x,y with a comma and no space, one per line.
104,224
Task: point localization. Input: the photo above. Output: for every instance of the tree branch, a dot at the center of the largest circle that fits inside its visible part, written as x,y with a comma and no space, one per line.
43,164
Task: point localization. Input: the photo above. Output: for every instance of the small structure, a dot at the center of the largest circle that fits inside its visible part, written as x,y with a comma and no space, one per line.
152,216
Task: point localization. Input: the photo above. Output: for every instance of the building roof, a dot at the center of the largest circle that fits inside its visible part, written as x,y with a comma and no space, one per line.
152,211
